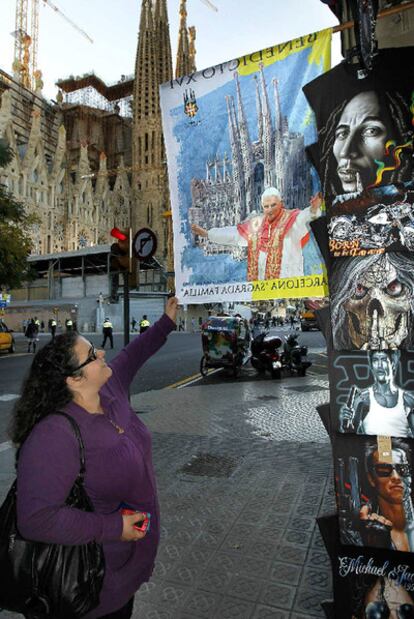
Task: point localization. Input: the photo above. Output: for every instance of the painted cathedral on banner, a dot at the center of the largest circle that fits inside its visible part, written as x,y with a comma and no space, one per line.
233,184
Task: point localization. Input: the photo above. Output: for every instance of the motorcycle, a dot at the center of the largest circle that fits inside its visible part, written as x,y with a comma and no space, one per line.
294,356
379,227
266,354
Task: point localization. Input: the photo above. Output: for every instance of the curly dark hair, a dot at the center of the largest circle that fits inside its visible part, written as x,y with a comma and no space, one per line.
45,389
397,115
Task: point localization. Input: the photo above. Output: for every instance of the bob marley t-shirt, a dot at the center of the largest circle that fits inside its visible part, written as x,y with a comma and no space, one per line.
365,130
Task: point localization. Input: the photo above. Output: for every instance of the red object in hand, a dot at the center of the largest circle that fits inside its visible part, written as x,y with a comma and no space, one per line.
141,525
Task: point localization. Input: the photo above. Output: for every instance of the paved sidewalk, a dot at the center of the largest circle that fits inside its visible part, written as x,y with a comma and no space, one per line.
243,469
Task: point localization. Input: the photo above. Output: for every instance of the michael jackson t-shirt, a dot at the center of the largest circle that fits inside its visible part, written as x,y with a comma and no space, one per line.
368,583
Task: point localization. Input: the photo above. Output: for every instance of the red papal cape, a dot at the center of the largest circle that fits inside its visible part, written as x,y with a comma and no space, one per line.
267,237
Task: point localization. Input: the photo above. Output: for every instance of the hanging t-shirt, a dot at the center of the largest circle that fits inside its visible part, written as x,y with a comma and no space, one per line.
377,220
368,583
372,301
372,392
365,131
374,492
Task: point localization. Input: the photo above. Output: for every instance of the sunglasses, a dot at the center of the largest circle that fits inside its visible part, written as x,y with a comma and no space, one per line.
385,470
92,356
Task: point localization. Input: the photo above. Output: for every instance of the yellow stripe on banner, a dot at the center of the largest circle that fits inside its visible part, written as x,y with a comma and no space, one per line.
320,42
290,288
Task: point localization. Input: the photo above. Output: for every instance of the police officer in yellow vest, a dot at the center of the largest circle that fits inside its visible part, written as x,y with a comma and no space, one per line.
52,327
107,330
144,324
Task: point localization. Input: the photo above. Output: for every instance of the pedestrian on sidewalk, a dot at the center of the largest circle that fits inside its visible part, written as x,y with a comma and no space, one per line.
107,330
31,334
69,375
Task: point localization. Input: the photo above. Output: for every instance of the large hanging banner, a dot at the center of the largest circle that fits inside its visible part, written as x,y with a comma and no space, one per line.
242,190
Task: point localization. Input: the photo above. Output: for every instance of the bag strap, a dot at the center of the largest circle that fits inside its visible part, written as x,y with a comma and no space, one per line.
78,435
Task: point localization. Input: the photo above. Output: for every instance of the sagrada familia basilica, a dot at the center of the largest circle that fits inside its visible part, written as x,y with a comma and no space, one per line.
232,188
95,158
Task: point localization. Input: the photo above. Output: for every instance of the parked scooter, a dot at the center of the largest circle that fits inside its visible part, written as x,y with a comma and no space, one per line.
266,354
294,356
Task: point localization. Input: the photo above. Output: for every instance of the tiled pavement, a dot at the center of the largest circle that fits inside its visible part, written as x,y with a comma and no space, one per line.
243,469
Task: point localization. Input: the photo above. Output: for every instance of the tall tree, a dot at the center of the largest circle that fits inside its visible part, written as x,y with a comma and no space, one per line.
15,242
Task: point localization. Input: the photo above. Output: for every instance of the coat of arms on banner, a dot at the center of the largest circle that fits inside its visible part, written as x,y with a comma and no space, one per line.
190,103
242,190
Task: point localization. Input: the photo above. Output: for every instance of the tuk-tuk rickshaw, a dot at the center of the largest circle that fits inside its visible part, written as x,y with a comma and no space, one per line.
226,343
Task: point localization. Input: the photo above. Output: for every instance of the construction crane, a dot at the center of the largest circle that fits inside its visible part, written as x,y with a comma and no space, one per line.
72,23
210,5
26,44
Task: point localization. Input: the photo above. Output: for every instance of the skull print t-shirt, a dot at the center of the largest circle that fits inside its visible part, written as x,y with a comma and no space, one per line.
372,301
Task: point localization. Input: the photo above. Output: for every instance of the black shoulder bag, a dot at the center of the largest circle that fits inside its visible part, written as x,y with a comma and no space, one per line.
43,580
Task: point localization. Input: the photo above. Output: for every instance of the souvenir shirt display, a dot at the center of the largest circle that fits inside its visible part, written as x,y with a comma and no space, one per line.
364,158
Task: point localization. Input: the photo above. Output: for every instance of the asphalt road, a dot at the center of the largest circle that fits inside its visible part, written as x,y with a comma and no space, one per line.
177,361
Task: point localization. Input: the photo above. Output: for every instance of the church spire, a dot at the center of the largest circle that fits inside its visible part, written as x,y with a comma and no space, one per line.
184,64
246,150
162,41
146,97
192,35
259,111
149,177
268,137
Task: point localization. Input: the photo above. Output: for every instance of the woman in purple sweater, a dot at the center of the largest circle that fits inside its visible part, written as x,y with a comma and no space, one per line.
70,375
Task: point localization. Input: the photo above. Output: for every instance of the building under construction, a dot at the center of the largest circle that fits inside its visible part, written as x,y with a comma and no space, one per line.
86,161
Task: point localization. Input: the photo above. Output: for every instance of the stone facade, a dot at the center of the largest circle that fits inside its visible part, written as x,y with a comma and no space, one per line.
83,167
59,175
149,167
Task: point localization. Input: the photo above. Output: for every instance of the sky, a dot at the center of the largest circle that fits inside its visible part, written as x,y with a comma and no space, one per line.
237,28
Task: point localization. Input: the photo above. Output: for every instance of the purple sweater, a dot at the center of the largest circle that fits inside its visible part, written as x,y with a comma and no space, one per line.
118,469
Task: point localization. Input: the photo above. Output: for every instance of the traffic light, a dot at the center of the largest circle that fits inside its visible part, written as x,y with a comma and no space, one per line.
120,251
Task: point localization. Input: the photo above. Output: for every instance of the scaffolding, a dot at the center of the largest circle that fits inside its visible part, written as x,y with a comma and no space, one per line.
90,90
